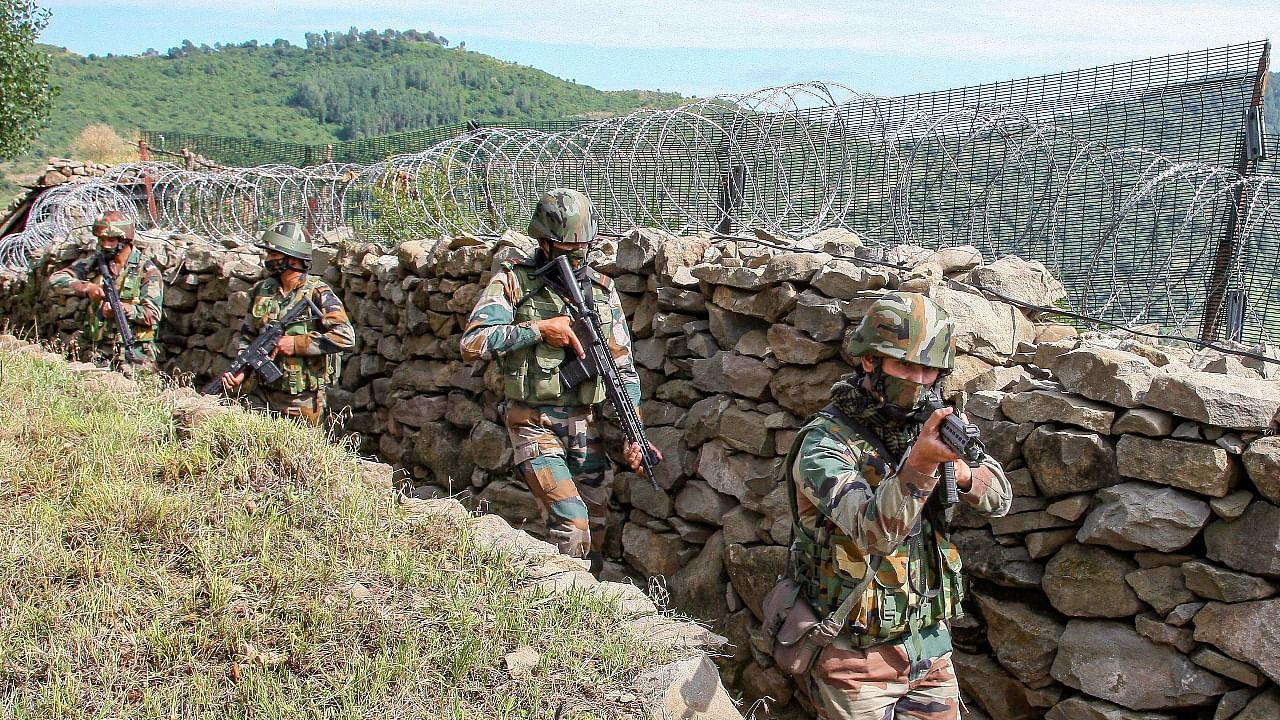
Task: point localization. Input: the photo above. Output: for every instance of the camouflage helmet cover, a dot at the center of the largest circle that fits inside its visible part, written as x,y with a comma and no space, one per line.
905,326
565,216
287,238
113,224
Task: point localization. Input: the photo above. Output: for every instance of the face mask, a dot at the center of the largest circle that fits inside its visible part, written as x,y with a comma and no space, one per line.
276,267
904,394
111,251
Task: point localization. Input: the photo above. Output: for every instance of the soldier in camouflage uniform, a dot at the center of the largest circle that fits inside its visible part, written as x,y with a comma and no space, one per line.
521,321
860,501
139,284
309,350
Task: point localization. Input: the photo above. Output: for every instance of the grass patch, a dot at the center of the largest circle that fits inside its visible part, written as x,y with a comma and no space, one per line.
246,572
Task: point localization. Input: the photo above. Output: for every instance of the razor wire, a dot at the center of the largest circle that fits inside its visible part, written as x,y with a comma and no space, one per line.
1131,231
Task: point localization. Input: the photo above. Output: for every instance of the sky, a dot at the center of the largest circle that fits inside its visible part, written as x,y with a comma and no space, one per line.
704,47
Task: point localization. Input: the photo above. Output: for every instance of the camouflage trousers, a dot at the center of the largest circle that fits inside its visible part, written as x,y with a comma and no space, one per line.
881,683
108,354
306,406
559,455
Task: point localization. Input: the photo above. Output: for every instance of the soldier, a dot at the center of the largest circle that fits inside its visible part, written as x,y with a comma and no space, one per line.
139,285
309,350
865,478
521,321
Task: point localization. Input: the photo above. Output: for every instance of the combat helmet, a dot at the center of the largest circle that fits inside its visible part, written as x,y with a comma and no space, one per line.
113,224
565,216
287,238
905,326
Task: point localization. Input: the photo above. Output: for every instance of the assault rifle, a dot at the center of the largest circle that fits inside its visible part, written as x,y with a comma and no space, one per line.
599,361
258,356
132,352
960,436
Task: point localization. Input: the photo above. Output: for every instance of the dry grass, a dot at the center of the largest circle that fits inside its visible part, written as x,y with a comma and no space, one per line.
246,572
99,142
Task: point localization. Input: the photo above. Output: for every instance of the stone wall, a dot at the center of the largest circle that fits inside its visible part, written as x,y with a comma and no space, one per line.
1133,580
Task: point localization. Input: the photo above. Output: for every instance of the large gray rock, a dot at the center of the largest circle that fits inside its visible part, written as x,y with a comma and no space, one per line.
1262,462
1160,587
1009,566
650,552
818,316
1081,708
1136,516
753,570
1213,399
1111,661
770,305
1144,421
729,327
698,588
795,347
1027,281
1024,637
987,330
1246,631
743,278
843,279
637,251
1250,543
1110,376
1215,583
1199,467
1156,630
727,372
1064,462
1088,581
733,473
805,390
999,694
794,267
700,502
1263,707
1044,406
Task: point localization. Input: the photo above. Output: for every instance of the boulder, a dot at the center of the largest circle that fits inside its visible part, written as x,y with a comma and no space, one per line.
1066,462
650,552
1043,406
1143,421
1250,543
1111,661
733,473
796,267
729,327
698,588
770,305
1221,400
1136,516
1088,581
1023,637
700,502
818,316
1153,629
1216,583
1110,376
1009,566
1200,467
1262,463
1263,707
987,330
1210,659
1027,281
844,280
727,372
997,692
793,346
753,570
1080,707
745,430
1160,587
636,252
805,390
1246,631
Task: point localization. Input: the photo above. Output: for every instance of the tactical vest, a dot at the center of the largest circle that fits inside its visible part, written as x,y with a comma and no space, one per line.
302,373
532,374
920,580
129,288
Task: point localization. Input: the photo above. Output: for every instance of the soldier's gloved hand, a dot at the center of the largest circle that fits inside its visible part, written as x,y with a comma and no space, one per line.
573,542
558,332
93,291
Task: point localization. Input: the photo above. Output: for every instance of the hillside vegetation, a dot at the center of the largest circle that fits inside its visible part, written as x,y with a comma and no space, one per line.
239,568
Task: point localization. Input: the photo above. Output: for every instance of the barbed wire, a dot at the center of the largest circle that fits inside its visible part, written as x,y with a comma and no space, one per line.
1131,232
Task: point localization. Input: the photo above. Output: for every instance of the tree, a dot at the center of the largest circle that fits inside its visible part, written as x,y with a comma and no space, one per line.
99,143
26,96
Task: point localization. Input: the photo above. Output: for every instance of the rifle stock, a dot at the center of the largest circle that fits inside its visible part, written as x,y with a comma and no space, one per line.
599,363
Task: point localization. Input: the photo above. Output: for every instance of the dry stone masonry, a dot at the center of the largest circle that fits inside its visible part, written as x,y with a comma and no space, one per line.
1135,578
